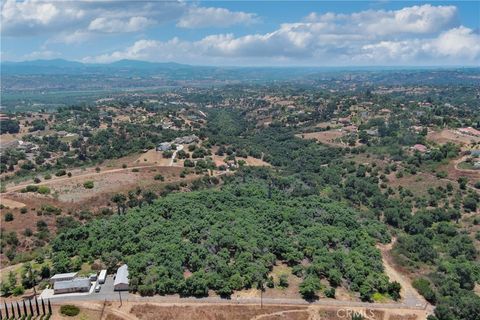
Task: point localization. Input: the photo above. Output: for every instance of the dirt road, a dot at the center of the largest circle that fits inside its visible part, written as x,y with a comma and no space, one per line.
20,186
180,147
410,296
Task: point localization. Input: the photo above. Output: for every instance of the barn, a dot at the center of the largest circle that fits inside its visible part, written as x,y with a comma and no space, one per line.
121,279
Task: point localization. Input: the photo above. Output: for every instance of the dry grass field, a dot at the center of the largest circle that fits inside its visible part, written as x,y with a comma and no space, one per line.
448,135
229,311
331,137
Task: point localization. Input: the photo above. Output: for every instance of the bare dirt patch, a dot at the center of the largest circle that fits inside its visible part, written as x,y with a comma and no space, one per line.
152,157
408,294
85,314
10,204
416,183
250,161
449,135
292,291
230,312
331,137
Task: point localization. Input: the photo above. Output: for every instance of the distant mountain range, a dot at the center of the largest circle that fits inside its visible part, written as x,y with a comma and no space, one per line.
42,74
60,66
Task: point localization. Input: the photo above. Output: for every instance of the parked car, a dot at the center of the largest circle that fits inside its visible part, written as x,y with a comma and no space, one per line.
97,288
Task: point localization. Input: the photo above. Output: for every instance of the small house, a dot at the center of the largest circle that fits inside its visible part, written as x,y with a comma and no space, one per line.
475,153
420,148
470,131
164,146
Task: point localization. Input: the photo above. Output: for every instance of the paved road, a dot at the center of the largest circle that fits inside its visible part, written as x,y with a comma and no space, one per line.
125,296
107,293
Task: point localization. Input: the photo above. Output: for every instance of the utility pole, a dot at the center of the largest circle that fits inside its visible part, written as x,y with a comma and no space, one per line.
261,286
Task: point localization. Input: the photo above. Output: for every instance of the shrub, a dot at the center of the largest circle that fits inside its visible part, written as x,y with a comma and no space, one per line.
88,184
159,177
48,209
330,293
167,154
124,165
31,188
135,170
47,176
60,173
37,180
283,281
18,290
23,210
28,232
43,190
423,287
69,310
8,216
441,174
146,290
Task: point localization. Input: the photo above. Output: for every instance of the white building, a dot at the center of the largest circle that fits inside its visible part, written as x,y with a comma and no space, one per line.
74,285
121,279
63,277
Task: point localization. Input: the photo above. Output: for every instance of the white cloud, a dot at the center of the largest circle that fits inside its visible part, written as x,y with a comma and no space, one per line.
413,35
458,42
34,17
198,17
117,25
31,17
414,20
294,43
43,54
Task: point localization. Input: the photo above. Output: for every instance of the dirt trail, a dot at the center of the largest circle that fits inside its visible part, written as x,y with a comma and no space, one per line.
279,313
85,175
460,160
410,296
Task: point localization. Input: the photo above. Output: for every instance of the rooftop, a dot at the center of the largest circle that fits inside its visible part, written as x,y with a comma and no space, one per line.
75,283
122,275
64,275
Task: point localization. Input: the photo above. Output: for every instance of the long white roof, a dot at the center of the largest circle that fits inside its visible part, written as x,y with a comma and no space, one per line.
64,275
75,283
122,275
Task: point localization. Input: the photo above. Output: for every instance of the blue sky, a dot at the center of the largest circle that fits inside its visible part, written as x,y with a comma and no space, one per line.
283,33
